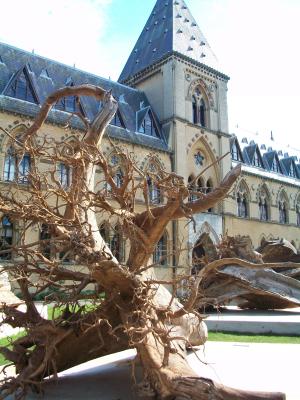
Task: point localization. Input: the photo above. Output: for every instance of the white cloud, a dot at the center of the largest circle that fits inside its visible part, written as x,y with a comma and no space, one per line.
69,31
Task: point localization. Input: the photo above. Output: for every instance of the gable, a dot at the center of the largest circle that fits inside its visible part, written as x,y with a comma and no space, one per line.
236,153
130,99
290,167
272,162
118,120
21,87
253,156
146,123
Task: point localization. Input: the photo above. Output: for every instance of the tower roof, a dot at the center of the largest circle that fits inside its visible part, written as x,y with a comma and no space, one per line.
170,28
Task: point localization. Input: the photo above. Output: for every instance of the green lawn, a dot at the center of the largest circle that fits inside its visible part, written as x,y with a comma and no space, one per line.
5,342
249,338
212,337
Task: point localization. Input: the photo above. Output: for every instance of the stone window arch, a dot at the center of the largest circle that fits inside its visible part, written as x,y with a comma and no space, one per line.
153,176
242,199
117,170
298,211
160,254
117,243
16,167
200,107
104,231
194,186
264,205
209,187
7,236
114,238
283,208
45,245
64,175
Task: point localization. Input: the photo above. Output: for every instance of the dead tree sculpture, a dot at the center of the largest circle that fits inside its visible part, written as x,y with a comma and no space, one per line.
252,279
134,309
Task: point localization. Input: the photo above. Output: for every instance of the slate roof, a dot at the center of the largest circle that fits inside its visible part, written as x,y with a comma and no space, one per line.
249,152
171,28
234,141
267,155
48,75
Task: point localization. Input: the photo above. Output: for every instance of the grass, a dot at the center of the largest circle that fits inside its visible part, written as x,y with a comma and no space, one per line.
5,342
252,338
55,312
212,337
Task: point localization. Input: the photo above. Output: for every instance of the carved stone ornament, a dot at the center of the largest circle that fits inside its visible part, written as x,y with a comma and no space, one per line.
199,158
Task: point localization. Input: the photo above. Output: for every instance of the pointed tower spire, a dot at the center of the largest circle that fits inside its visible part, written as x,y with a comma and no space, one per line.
171,28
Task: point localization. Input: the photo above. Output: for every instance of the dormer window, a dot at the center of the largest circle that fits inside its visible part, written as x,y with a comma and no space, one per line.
70,104
117,120
256,162
275,166
292,172
21,87
148,126
235,152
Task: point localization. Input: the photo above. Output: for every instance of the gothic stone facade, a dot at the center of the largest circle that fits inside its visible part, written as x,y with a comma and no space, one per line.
172,112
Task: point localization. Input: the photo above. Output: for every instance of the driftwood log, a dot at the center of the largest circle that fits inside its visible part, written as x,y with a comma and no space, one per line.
130,308
261,279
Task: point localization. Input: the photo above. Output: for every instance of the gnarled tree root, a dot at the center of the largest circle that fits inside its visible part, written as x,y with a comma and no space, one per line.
177,379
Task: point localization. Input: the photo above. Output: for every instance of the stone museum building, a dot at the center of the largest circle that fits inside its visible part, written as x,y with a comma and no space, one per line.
172,97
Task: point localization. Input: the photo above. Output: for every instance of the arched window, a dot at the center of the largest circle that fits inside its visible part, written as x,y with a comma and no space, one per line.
209,188
160,255
15,171
263,210
264,205
195,110
119,178
6,238
192,188
117,245
153,191
45,245
298,214
199,108
282,213
64,174
283,208
153,173
242,206
242,201
104,231
202,113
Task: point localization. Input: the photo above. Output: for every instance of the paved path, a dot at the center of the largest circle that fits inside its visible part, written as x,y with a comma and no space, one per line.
284,322
264,367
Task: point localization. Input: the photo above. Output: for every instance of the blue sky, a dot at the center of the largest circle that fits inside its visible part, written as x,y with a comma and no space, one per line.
256,42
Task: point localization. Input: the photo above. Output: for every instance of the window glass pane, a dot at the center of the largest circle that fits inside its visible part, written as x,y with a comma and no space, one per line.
6,238
64,175
9,167
24,169
202,113
160,252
